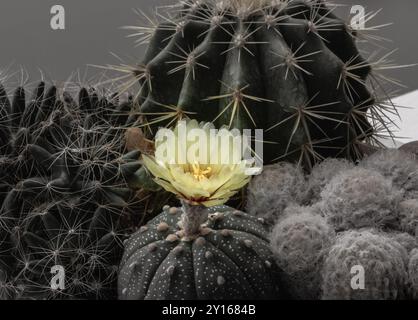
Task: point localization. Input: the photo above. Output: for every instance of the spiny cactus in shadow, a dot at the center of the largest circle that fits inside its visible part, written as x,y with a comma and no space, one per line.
64,199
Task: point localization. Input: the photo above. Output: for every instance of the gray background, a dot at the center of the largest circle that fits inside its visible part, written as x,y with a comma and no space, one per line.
94,30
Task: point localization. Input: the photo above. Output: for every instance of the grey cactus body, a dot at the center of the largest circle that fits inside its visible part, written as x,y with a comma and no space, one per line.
360,218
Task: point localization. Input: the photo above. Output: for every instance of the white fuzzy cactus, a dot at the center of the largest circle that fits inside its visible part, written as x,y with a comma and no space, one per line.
279,186
405,240
383,261
322,173
299,242
408,217
360,198
398,166
363,215
413,273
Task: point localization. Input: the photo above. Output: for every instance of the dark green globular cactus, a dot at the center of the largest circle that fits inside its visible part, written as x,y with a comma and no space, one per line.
64,199
289,67
199,253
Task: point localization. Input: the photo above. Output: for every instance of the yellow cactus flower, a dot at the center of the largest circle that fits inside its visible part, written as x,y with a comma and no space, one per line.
199,164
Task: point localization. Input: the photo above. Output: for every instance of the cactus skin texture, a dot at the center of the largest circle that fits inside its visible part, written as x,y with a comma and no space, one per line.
384,262
408,216
279,185
322,173
407,241
228,259
399,166
300,242
358,215
63,196
289,67
359,198
413,273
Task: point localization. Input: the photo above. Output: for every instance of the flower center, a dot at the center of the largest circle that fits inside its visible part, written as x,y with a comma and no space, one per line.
199,173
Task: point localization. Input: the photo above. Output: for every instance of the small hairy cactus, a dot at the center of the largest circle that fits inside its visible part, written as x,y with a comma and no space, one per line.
384,263
360,198
64,200
278,186
317,246
289,67
300,242
401,167
205,253
411,147
408,216
405,239
322,173
413,273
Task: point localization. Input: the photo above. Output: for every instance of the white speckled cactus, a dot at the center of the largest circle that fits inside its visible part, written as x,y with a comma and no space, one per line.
226,257
203,250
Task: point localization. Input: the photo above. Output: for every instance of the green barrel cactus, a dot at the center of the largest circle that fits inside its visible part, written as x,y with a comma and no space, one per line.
291,68
199,253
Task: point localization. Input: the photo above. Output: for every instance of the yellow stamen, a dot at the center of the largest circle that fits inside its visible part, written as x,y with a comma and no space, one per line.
200,174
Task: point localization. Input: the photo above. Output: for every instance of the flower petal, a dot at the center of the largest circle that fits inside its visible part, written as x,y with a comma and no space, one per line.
157,170
167,186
